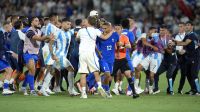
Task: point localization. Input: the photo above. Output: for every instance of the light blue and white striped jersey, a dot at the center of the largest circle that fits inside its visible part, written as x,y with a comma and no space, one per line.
63,42
50,28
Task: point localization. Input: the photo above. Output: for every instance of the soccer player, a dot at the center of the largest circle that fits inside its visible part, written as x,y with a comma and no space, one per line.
107,54
48,54
18,25
88,60
121,62
4,65
152,60
126,26
180,55
31,50
191,45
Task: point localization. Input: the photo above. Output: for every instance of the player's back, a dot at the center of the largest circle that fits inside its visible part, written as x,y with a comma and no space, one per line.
88,39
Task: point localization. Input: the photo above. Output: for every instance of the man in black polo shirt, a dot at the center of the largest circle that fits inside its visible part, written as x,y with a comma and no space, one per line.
191,45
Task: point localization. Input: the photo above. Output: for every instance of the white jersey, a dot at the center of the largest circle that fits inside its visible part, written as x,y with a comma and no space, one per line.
22,36
179,37
88,60
88,39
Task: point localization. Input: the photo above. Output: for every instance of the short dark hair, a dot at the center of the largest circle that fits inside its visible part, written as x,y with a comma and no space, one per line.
164,26
51,17
46,18
125,23
65,20
18,24
152,27
190,22
31,19
92,20
78,22
181,23
106,23
25,21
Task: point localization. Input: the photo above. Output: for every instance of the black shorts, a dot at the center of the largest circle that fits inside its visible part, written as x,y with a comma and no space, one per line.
12,61
120,64
20,62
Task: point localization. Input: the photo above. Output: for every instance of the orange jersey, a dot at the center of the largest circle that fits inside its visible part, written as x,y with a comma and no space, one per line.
120,52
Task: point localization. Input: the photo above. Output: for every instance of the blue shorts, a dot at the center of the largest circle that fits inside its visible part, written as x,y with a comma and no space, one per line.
90,79
3,65
105,66
28,57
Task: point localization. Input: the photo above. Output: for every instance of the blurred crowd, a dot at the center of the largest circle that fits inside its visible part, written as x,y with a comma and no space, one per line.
145,12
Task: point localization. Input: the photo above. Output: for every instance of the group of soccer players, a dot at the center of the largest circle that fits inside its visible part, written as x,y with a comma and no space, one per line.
49,50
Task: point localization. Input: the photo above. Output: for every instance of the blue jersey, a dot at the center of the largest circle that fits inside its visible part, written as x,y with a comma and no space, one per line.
131,38
107,47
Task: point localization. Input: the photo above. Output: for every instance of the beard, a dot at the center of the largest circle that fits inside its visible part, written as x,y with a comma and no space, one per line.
37,27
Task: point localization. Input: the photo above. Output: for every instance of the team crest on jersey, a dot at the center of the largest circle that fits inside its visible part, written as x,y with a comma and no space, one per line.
113,40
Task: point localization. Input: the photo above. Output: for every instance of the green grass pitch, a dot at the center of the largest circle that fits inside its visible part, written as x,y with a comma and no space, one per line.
64,103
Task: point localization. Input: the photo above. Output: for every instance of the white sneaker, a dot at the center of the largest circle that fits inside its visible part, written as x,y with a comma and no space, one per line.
150,89
83,95
115,91
73,92
102,92
129,93
108,94
43,92
7,92
146,90
156,92
57,90
49,91
139,90
24,91
33,93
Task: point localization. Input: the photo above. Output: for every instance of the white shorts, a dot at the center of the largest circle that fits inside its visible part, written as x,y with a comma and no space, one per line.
152,62
47,55
88,63
136,58
62,63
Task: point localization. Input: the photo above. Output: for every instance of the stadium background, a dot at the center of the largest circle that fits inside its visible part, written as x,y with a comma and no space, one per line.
145,12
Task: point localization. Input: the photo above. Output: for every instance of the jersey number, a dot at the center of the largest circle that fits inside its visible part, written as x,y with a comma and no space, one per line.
109,47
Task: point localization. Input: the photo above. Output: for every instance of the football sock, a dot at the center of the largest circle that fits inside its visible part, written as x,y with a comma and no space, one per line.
131,84
47,80
136,82
70,79
99,84
116,85
170,84
106,87
30,81
6,84
197,85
